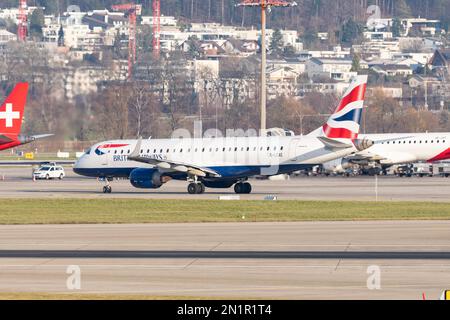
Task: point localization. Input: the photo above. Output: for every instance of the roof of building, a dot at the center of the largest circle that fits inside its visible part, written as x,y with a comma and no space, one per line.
321,61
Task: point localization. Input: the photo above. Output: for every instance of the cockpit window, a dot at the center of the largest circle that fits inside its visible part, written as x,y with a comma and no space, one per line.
88,151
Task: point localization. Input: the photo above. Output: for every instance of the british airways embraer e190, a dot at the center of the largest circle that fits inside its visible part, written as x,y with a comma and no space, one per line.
224,162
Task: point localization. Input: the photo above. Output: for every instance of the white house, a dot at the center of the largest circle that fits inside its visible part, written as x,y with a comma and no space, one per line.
336,69
6,36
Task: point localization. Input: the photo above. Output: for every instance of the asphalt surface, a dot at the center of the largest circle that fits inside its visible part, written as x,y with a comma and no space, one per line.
17,183
308,260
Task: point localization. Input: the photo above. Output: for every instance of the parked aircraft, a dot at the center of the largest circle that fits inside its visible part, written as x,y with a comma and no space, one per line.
402,148
11,117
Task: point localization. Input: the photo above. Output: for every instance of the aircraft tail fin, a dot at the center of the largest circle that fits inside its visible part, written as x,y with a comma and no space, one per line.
345,122
12,110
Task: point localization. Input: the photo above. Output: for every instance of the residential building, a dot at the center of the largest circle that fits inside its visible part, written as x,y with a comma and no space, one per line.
336,69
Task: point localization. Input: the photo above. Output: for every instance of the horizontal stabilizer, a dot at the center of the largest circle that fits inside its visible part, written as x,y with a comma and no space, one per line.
42,136
5,139
334,144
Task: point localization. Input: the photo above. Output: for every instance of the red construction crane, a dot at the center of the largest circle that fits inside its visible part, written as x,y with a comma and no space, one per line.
156,28
131,10
22,23
265,5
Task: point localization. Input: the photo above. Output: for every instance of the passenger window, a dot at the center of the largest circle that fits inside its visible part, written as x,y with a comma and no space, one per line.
181,150
121,151
224,149
281,148
235,149
203,150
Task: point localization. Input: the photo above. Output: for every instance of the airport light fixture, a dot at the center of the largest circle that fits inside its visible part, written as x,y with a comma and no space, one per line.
265,6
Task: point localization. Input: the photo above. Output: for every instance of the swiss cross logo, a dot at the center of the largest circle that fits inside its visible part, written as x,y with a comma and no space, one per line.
9,115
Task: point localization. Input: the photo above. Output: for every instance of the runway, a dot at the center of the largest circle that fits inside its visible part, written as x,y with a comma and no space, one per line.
308,260
17,183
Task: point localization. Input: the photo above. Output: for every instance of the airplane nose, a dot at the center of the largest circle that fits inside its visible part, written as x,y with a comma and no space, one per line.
79,165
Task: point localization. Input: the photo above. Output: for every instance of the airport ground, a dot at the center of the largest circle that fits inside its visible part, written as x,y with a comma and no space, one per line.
301,260
292,260
17,183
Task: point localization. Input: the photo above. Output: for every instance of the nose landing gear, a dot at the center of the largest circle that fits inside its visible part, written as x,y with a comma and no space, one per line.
107,188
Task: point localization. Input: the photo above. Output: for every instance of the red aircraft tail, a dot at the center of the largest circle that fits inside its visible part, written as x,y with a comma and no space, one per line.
11,111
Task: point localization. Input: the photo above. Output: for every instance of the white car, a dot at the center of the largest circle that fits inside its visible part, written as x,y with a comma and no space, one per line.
49,172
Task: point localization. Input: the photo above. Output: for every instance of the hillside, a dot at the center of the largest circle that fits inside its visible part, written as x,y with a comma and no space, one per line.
310,15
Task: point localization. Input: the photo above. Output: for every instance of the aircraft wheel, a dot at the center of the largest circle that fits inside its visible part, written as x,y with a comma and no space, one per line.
247,188
202,188
192,188
107,189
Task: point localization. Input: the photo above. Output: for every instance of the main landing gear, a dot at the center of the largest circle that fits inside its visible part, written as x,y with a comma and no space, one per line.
196,188
243,188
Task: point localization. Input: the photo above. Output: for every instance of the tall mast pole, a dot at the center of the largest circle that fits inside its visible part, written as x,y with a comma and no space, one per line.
264,4
263,68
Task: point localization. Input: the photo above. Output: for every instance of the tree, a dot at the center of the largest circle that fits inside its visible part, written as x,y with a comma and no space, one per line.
356,63
351,32
397,28
194,50
402,9
61,37
37,23
276,43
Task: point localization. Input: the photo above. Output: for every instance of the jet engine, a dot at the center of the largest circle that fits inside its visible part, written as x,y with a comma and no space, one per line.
144,178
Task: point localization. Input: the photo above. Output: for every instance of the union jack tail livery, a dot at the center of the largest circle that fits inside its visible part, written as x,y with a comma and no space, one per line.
345,122
11,111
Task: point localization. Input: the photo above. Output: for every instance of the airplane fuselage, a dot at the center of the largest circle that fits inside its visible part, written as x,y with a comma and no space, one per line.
229,157
401,148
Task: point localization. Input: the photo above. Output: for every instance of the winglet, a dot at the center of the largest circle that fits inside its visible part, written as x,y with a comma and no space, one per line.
137,150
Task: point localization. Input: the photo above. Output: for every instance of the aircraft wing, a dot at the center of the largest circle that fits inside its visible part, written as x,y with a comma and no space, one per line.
171,165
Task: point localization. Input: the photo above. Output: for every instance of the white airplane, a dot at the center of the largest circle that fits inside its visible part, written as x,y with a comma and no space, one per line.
224,162
392,149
